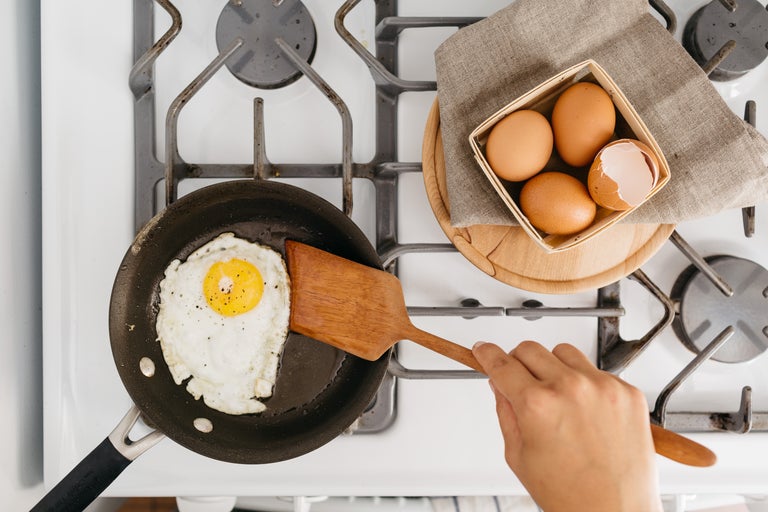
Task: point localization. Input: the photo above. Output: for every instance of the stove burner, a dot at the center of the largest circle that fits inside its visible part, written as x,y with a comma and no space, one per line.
260,62
704,311
713,26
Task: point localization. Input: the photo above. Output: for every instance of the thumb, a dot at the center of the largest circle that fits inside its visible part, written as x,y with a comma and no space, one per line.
508,375
491,357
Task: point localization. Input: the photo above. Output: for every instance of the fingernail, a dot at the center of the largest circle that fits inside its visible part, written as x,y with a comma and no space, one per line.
477,345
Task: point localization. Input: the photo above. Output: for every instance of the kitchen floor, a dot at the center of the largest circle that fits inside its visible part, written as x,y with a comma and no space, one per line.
149,505
698,504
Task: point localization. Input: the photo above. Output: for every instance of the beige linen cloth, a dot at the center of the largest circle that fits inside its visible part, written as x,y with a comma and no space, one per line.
717,161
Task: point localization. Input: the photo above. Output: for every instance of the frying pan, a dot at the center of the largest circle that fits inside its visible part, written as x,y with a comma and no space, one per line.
319,391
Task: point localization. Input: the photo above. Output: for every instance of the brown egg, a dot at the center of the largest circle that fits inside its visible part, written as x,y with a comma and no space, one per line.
557,203
519,145
583,121
623,174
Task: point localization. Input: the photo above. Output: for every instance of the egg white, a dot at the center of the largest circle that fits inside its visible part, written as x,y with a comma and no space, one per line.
232,360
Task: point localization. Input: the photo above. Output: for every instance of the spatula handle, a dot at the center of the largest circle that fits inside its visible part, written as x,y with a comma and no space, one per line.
681,449
667,443
443,346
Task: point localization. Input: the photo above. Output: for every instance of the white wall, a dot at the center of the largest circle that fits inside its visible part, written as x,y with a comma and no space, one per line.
20,316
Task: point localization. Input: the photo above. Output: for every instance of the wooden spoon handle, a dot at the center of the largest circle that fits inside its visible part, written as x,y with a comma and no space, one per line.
681,449
667,443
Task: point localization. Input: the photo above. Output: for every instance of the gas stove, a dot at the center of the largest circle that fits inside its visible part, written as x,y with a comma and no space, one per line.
337,105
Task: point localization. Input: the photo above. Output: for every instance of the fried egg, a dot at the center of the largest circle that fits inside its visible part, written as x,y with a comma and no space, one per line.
223,320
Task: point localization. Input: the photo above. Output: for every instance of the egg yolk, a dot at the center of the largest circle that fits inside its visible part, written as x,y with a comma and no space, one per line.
233,287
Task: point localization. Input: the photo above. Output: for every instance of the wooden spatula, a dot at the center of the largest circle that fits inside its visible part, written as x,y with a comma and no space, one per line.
361,310
358,309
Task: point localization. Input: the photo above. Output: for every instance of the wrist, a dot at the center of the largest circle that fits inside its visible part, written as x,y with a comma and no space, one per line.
625,496
653,505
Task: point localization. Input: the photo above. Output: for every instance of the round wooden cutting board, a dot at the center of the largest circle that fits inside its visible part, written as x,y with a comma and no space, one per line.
508,254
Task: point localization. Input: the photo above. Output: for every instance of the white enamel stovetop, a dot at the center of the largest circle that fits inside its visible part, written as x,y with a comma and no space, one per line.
445,440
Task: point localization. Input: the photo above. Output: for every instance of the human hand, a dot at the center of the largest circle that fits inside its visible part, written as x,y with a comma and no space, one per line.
577,438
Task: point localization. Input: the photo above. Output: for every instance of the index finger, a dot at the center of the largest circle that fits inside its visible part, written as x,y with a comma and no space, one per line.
506,372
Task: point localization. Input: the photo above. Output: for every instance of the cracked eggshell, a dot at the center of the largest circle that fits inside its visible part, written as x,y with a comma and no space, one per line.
623,174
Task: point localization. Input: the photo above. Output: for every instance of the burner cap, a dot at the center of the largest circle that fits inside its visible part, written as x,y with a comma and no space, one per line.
713,25
704,311
260,62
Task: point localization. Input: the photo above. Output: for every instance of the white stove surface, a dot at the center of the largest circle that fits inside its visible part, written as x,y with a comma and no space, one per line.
445,440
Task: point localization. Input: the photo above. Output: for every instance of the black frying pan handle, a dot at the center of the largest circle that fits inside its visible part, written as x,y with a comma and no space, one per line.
86,481
98,469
